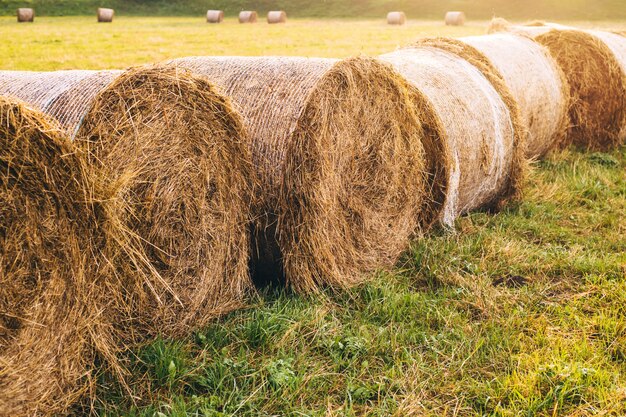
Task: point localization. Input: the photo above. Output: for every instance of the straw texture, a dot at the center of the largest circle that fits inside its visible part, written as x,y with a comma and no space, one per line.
477,124
338,149
595,77
57,248
175,157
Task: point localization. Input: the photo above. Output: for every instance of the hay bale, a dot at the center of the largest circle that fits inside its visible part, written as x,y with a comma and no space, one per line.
455,18
533,28
479,121
595,77
617,44
174,152
25,15
338,149
105,15
248,17
597,87
533,77
214,16
396,18
276,17
57,246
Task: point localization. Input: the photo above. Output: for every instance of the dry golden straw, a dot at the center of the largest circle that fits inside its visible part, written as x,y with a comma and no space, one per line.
339,152
534,79
58,246
596,79
478,120
175,154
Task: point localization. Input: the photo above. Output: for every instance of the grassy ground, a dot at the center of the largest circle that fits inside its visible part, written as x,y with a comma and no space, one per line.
80,42
519,313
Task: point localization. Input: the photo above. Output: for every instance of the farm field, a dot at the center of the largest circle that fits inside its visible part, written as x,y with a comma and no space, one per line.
516,313
53,43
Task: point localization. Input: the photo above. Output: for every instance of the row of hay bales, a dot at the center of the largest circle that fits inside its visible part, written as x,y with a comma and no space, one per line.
247,16
149,201
450,19
27,15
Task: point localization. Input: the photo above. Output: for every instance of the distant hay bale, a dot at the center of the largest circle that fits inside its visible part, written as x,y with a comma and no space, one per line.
341,164
105,15
248,17
498,24
479,120
276,17
175,154
25,15
396,18
57,248
535,80
455,18
215,16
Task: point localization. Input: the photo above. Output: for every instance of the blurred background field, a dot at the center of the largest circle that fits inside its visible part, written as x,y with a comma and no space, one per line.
420,9
53,43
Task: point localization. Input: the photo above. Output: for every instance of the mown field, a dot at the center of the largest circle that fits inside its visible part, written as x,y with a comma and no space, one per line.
517,313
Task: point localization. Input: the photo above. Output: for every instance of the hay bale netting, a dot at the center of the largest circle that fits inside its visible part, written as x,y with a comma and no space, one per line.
455,18
338,149
595,77
215,16
105,15
276,17
248,16
396,18
478,119
56,248
25,15
533,77
175,152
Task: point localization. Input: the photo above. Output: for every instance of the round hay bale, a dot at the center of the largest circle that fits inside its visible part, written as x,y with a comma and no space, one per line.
479,120
396,18
338,149
56,252
105,15
533,29
214,16
533,77
276,17
455,18
597,87
25,15
248,17
175,155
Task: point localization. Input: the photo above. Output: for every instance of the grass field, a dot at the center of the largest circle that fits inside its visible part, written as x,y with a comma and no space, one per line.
80,42
520,313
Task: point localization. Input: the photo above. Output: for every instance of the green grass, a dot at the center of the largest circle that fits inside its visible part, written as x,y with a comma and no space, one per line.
417,9
519,313
79,42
